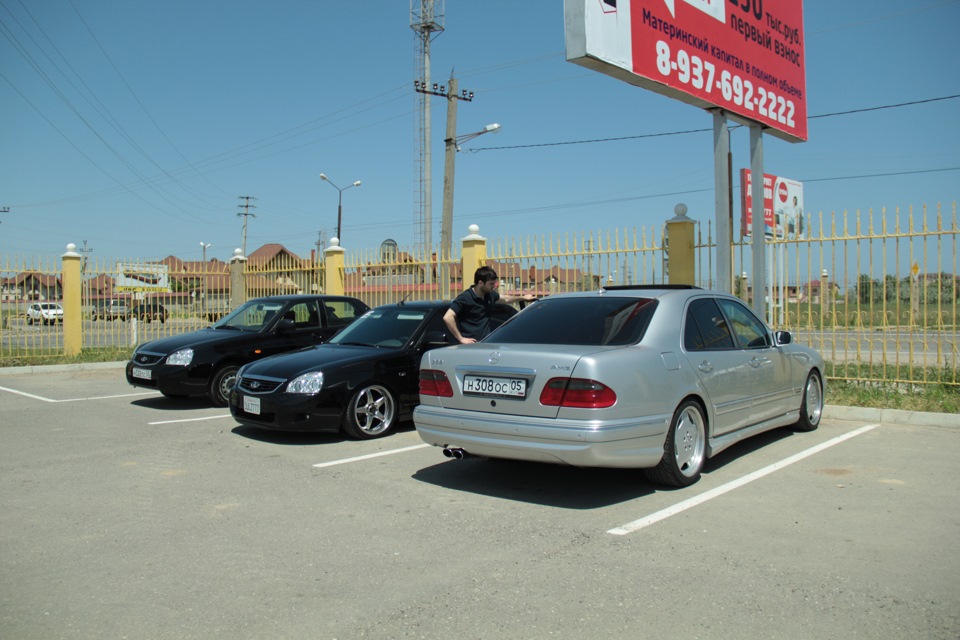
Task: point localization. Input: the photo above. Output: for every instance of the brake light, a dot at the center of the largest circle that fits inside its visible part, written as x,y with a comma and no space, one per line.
435,383
577,393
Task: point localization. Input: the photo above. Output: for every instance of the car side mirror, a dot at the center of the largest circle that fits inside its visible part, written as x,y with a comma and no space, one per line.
285,325
782,338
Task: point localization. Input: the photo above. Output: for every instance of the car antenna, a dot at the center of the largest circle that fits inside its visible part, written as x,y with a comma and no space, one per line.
404,299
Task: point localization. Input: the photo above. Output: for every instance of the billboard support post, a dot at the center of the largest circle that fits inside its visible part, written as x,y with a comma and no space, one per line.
721,183
758,231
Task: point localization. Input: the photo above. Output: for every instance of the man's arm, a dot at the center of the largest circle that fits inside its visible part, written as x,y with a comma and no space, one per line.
510,299
450,319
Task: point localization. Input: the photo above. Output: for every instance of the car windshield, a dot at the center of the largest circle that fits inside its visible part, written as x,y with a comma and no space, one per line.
593,321
252,316
391,327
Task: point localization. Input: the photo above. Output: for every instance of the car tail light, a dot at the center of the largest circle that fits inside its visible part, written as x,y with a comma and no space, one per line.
435,383
578,393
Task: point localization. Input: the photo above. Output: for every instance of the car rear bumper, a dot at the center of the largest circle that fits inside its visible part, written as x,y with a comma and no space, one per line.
637,443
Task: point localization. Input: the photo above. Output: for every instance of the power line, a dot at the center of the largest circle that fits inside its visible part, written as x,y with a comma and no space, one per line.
689,131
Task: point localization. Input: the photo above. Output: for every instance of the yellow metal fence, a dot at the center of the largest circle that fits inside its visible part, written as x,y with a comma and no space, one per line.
876,292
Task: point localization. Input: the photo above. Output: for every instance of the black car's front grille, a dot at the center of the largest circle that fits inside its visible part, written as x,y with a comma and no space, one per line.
257,384
148,358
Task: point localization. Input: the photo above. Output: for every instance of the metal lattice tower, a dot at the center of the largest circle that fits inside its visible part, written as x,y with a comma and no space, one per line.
426,19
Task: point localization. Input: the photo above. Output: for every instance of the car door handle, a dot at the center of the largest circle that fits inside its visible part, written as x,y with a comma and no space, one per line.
705,366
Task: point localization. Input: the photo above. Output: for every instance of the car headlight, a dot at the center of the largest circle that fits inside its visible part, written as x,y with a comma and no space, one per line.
182,357
308,383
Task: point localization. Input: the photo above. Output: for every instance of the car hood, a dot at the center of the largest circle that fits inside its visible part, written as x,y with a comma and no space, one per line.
316,358
194,339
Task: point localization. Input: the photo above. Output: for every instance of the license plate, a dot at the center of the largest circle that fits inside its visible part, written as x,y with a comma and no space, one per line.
251,405
486,386
143,374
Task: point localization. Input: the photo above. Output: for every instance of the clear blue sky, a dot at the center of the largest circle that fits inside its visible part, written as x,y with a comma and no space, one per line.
136,125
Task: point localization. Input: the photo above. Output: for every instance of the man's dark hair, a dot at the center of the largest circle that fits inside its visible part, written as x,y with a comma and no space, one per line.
484,274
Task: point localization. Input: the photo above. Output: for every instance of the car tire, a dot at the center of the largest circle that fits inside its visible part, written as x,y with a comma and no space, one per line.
684,450
811,407
371,413
29,321
221,384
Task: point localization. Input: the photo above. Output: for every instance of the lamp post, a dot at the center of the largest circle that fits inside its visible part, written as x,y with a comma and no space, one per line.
340,203
453,142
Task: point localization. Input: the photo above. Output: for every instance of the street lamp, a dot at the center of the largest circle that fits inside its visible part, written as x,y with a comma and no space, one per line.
324,177
453,143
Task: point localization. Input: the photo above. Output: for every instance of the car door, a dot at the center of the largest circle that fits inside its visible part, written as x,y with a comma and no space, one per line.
723,369
770,378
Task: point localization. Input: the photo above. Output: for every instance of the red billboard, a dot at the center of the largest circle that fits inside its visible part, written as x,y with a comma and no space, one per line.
744,56
782,206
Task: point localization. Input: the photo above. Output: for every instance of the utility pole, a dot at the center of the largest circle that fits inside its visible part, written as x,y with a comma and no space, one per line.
83,269
321,243
446,220
246,206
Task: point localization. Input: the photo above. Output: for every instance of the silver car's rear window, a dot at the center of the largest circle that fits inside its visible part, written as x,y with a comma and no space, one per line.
592,321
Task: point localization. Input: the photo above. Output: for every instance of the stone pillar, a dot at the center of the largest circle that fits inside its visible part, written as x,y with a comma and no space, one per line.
72,283
333,269
474,254
680,253
238,283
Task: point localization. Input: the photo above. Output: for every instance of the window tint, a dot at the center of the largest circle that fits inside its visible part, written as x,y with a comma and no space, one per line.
705,328
304,315
341,312
750,331
606,320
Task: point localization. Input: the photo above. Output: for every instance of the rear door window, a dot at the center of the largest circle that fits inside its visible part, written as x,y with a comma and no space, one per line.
705,327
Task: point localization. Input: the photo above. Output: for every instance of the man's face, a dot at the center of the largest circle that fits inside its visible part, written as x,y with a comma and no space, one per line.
488,286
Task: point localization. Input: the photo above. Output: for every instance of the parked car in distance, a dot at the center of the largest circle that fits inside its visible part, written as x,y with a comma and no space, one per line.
110,310
206,362
655,378
362,382
44,313
148,311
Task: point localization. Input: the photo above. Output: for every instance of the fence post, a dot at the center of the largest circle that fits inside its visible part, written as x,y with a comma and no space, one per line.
72,302
238,284
474,254
333,261
680,253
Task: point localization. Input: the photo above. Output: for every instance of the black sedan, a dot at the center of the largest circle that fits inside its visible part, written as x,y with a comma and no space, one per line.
364,381
206,362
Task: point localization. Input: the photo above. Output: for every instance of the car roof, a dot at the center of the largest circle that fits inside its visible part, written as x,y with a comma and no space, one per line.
287,297
416,304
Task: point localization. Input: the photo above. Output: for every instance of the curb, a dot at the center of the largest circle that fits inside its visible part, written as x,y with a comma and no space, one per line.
830,411
61,368
892,416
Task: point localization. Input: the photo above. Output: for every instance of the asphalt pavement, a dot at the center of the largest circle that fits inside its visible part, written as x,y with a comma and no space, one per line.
126,514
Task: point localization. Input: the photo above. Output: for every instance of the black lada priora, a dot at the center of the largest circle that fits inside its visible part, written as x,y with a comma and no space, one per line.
205,362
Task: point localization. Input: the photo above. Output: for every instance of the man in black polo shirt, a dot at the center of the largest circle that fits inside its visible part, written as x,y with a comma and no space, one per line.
468,317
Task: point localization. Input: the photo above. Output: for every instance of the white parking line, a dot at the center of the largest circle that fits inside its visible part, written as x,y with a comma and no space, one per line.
680,507
333,463
42,399
226,415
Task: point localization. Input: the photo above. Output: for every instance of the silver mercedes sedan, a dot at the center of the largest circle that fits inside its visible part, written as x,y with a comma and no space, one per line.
658,378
